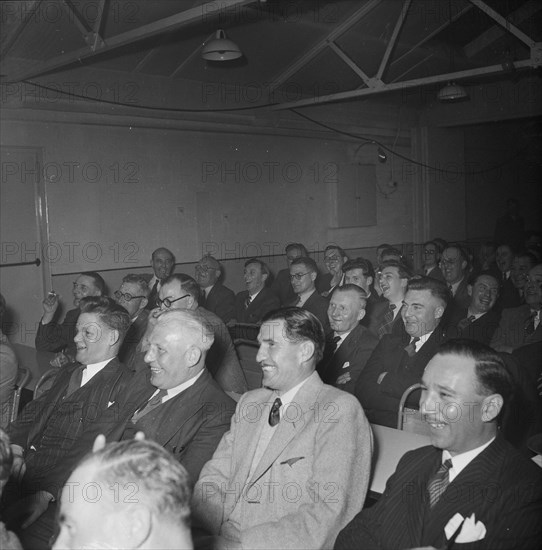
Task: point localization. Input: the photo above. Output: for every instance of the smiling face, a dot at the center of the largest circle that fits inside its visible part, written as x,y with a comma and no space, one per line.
177,297
207,272
421,312
533,287
460,419
453,265
345,311
94,340
483,293
162,263
520,269
82,287
392,285
334,261
284,363
356,277
302,278
169,357
254,278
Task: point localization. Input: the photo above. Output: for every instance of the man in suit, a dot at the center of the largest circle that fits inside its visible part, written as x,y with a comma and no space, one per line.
144,500
303,274
386,316
509,295
252,304
469,471
398,361
214,297
162,263
50,427
54,336
521,325
522,264
282,285
334,259
282,477
351,344
481,319
180,291
133,296
431,259
454,264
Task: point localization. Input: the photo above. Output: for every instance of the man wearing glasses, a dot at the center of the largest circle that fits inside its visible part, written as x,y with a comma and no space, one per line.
431,259
54,336
133,297
334,258
303,273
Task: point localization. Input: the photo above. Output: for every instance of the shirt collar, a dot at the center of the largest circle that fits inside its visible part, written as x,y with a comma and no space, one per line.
306,295
172,392
92,370
462,460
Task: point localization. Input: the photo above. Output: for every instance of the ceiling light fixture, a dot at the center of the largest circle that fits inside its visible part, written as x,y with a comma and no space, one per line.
220,48
452,92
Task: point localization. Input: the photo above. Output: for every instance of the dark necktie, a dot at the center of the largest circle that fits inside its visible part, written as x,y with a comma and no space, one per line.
438,483
333,343
450,288
202,298
385,327
274,413
411,348
149,406
464,323
248,301
529,324
75,380
154,294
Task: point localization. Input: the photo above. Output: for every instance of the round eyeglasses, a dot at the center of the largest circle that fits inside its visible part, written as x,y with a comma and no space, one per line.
125,296
167,302
298,276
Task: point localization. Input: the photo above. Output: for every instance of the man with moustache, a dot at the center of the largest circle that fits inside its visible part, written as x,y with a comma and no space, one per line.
53,336
252,304
162,263
470,472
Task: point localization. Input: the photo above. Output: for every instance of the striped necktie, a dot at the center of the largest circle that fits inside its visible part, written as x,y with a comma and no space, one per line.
154,402
75,380
438,483
387,323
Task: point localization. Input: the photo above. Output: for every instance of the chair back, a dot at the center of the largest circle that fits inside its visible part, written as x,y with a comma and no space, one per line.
23,377
411,420
45,382
246,352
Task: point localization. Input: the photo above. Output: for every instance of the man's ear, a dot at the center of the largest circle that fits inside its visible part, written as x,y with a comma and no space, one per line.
264,277
136,525
193,355
114,337
491,407
143,304
313,276
469,290
439,312
191,301
464,265
307,350
370,281
361,314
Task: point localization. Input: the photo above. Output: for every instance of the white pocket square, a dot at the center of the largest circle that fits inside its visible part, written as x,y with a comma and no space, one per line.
346,365
110,403
471,530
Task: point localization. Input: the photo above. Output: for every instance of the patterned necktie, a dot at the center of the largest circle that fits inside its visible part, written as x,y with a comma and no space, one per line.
529,323
75,380
385,327
149,406
411,348
248,301
274,413
438,483
450,288
464,323
154,293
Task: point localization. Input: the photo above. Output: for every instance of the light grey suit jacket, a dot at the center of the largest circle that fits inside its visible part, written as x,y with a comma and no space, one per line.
310,482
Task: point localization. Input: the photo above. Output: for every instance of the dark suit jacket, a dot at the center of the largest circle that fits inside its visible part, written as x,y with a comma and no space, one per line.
282,287
461,296
318,305
221,301
509,295
481,330
133,337
265,302
189,425
56,336
381,401
511,331
379,310
501,487
54,425
351,358
435,273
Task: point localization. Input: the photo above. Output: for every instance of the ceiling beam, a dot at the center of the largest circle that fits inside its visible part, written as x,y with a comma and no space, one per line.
91,37
393,39
351,63
487,38
504,22
11,34
205,11
398,86
315,50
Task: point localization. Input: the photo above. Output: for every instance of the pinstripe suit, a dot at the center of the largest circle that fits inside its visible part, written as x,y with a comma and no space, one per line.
500,486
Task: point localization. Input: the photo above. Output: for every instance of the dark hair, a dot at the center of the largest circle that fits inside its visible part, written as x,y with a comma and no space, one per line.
391,251
437,288
300,325
491,373
297,246
263,266
360,263
6,456
188,284
163,483
163,249
462,251
98,281
361,294
111,313
309,263
487,272
402,269
335,247
441,243
140,281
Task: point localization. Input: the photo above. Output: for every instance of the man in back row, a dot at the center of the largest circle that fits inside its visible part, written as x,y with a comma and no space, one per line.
162,263
470,472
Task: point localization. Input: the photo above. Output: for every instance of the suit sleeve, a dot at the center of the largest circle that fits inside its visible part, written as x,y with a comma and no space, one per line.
499,340
366,385
360,358
56,336
341,472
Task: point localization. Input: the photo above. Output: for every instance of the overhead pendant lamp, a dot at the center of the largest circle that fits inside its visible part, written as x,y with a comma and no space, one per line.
452,92
220,48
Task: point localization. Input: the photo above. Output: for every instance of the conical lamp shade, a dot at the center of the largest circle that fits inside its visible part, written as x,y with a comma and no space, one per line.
221,49
452,92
